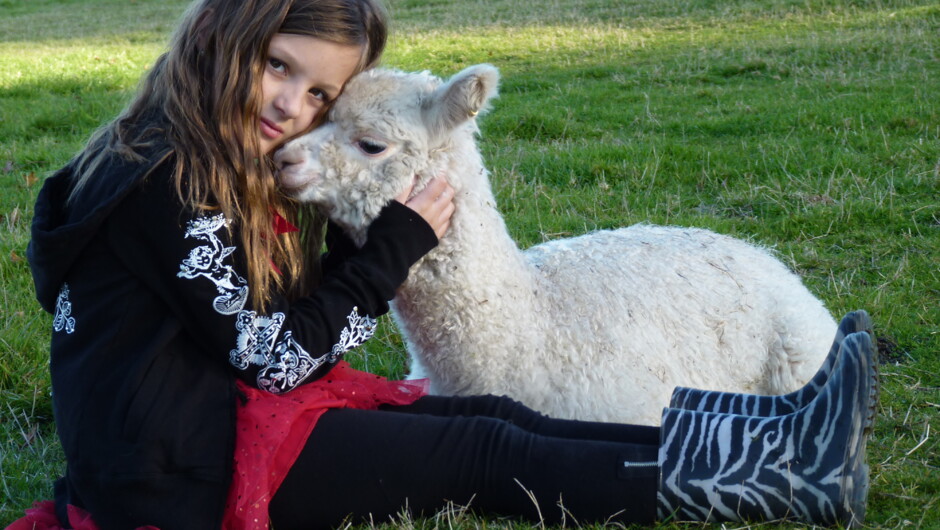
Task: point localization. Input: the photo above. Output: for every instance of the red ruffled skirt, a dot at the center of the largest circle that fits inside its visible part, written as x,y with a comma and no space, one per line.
271,430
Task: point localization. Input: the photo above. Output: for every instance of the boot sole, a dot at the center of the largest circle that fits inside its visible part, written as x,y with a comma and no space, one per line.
862,322
855,483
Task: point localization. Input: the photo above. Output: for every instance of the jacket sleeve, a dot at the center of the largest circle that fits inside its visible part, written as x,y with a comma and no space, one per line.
340,247
193,259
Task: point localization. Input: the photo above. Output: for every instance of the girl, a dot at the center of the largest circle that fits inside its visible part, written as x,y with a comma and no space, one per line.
196,356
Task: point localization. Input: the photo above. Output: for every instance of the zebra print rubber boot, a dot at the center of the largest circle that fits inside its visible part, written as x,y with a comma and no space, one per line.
808,465
755,405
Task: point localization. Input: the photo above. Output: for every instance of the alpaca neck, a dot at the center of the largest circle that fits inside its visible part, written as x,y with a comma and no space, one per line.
475,276
475,258
478,233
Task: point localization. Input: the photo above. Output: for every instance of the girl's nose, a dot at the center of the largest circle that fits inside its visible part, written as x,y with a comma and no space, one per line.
289,102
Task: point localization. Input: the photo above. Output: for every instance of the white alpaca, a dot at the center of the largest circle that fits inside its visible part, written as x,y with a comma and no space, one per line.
601,326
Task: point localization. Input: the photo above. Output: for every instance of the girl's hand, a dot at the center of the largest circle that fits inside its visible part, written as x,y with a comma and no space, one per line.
435,204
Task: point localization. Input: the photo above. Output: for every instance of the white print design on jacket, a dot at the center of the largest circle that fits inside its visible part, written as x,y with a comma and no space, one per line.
207,261
361,329
292,366
63,312
257,339
284,363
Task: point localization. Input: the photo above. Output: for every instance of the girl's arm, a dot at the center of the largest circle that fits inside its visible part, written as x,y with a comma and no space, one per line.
339,248
434,204
193,260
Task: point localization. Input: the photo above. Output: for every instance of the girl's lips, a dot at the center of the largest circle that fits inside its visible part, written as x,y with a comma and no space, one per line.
270,130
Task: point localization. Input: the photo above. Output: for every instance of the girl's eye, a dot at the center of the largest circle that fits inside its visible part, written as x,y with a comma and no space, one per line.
319,94
370,146
277,65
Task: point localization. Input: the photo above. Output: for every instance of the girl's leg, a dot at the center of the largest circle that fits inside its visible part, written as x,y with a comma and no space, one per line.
505,408
374,464
809,465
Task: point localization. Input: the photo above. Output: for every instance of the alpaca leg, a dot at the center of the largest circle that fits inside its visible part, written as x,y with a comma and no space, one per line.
808,465
754,405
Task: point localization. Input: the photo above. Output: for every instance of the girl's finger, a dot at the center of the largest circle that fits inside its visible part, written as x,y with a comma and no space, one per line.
403,196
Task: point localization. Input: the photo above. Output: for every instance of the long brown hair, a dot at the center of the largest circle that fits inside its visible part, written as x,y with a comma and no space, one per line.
203,98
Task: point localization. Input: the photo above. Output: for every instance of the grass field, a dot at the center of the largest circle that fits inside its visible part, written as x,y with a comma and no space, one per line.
809,126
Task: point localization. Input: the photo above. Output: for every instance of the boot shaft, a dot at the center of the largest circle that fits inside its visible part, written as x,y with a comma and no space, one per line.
808,465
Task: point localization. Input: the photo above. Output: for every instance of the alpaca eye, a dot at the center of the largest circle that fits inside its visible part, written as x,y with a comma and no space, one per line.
371,147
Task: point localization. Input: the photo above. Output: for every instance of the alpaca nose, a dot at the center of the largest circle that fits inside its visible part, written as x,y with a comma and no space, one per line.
287,157
295,168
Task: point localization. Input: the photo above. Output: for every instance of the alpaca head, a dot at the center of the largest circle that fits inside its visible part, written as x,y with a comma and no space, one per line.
387,129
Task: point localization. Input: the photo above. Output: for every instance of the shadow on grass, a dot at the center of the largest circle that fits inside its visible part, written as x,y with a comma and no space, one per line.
52,107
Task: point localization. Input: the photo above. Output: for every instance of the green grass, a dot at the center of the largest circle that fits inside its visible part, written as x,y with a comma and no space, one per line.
810,126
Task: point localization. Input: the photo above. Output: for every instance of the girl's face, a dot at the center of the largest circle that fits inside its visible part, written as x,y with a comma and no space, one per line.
302,75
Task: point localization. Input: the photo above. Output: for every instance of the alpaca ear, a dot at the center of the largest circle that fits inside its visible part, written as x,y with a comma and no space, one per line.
461,98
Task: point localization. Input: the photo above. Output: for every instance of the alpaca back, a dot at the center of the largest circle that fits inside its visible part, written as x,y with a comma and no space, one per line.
652,307
605,325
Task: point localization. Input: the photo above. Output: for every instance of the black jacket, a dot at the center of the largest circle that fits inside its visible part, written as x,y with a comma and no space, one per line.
153,322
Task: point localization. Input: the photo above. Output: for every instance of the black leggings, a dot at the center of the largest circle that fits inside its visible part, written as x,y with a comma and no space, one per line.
491,453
